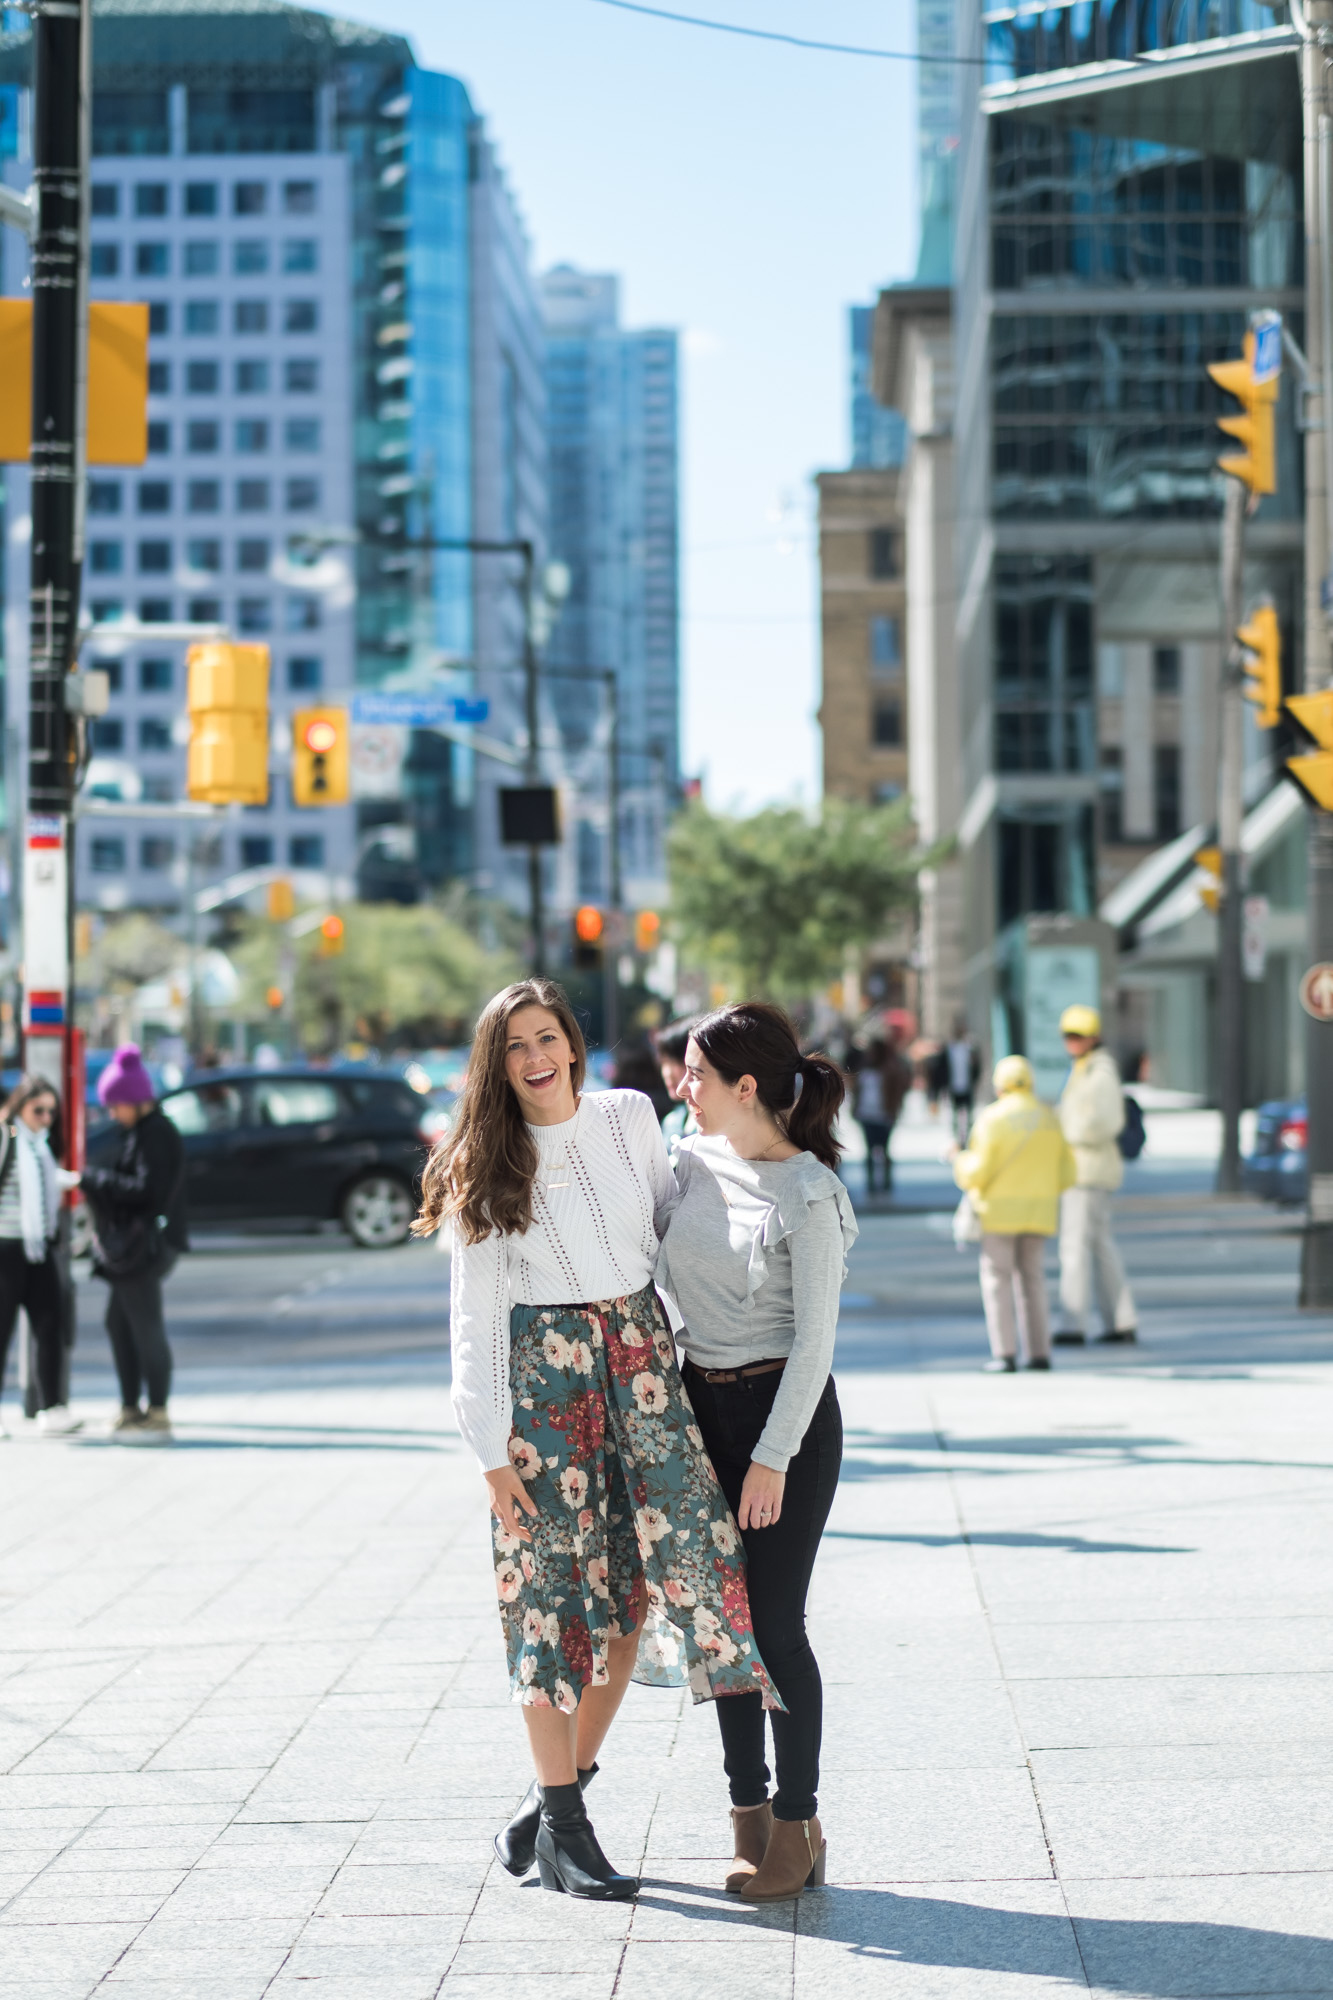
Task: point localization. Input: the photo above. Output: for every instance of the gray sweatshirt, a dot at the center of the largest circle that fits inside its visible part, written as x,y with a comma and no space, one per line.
754,1256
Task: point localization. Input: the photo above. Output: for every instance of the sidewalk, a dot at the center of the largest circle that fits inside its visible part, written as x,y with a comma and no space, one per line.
254,1726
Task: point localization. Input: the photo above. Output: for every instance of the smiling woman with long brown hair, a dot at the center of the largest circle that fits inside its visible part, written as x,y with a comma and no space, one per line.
615,1553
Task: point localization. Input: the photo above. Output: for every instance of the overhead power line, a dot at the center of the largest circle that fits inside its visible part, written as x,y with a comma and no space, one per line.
792,41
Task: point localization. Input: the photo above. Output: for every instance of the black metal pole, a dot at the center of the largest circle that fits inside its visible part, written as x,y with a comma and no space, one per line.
615,890
536,913
1230,976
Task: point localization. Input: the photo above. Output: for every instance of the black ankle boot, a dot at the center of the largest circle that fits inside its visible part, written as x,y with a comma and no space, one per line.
568,1855
515,1844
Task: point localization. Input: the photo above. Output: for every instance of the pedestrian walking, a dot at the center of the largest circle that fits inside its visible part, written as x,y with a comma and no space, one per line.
670,1043
962,1068
1015,1168
139,1231
881,1078
615,1554
1092,1113
754,1256
31,1185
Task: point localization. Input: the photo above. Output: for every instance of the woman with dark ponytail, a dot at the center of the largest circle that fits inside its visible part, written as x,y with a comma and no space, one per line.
755,1256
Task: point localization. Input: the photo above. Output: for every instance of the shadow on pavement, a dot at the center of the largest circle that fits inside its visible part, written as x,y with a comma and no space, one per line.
1074,1545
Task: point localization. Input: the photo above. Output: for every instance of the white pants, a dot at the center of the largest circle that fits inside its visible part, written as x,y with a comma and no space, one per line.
1088,1258
1013,1295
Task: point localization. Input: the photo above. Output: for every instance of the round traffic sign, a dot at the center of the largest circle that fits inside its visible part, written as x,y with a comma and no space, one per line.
1317,992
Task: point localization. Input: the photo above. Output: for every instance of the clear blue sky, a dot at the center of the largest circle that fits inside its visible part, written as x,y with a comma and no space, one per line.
747,194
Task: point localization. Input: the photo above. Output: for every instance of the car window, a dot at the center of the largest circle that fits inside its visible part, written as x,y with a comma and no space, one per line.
214,1107
294,1101
385,1100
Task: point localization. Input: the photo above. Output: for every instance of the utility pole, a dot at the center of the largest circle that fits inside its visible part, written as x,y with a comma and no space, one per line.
532,766
1230,969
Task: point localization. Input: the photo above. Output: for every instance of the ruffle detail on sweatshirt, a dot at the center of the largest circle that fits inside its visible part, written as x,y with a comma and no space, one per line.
804,1180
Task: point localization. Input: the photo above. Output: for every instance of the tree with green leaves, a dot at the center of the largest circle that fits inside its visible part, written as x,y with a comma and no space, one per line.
771,904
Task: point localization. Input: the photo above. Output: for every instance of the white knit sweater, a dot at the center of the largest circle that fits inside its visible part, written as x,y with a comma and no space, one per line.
600,1201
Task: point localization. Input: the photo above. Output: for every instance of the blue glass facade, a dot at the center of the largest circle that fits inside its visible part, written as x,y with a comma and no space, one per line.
1027,41
878,435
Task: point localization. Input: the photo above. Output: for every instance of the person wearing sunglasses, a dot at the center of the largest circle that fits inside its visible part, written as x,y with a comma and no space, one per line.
30,1189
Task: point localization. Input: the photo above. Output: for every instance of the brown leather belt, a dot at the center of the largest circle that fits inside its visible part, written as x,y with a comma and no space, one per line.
738,1374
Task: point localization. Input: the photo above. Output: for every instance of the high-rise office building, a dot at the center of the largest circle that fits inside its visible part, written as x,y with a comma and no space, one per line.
345,361
613,422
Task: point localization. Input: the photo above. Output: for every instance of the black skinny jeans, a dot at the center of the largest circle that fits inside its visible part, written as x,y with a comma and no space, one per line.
35,1287
138,1334
780,1561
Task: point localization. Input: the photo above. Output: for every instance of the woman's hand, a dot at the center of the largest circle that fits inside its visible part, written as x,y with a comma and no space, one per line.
510,1500
761,1496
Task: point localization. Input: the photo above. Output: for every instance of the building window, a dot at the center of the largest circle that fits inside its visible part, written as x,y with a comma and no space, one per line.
201,197
154,733
155,558
302,433
204,556
249,198
1166,790
103,496
302,495
300,253
108,854
250,316
886,652
302,614
201,378
298,197
150,198
150,260
300,316
159,317
107,610
205,611
301,378
154,496
304,673
159,439
108,733
252,378
1166,669
251,434
201,316
155,676
158,788
249,258
883,552
156,851
205,496
1043,686
104,260
202,435
252,556
113,671
254,616
256,850
252,496
155,611
306,850
887,731
159,378
106,198
201,260
1113,794
106,558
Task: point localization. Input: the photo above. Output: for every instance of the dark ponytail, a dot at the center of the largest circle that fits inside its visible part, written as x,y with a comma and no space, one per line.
803,1093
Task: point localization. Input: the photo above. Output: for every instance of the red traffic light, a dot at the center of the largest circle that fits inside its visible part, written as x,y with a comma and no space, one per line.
589,924
332,927
320,735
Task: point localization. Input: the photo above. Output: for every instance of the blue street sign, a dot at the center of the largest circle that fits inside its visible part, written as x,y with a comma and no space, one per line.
417,711
1267,347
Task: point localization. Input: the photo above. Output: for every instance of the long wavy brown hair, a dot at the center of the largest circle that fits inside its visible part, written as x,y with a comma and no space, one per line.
481,1171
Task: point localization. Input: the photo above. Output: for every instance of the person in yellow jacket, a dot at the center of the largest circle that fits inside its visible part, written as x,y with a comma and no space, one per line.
1014,1170
1092,1116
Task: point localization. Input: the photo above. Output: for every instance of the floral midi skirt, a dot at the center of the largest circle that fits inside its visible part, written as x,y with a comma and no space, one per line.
605,1441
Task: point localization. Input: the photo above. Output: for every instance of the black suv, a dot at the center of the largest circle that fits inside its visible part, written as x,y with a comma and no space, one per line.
297,1146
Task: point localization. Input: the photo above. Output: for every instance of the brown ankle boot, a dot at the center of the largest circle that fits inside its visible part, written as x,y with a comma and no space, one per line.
751,1827
793,1861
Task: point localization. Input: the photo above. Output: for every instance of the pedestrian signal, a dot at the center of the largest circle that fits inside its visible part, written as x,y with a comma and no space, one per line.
647,931
1256,462
1314,772
228,705
331,935
1210,892
1263,669
589,937
321,768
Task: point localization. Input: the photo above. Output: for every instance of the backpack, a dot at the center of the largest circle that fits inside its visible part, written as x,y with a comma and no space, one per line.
1133,1134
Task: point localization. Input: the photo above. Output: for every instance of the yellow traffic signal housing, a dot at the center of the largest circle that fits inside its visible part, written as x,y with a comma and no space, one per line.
1210,860
228,703
321,757
647,931
332,935
117,381
1314,773
1256,463
281,901
1262,639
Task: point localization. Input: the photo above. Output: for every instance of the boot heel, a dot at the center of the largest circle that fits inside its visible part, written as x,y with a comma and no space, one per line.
550,1876
815,1879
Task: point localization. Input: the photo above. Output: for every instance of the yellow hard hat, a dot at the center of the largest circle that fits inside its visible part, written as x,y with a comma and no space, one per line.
1081,1021
1012,1073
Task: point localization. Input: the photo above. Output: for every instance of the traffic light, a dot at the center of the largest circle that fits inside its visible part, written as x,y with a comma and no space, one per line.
321,768
1263,686
281,902
1210,892
1256,462
228,704
273,998
331,935
1314,772
589,937
647,931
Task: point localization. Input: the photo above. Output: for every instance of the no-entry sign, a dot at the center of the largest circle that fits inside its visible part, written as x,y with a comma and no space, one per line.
1317,992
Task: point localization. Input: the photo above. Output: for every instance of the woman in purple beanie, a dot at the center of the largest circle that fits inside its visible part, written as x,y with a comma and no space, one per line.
138,1206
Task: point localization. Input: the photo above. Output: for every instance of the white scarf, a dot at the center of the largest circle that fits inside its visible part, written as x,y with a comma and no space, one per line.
39,1191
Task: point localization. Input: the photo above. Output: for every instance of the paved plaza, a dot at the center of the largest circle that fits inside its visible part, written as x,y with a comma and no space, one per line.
1077,1633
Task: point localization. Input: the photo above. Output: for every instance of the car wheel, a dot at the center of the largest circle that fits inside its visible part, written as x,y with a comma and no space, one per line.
377,1212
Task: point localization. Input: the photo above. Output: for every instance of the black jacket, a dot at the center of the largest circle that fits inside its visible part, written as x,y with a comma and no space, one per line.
147,1181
